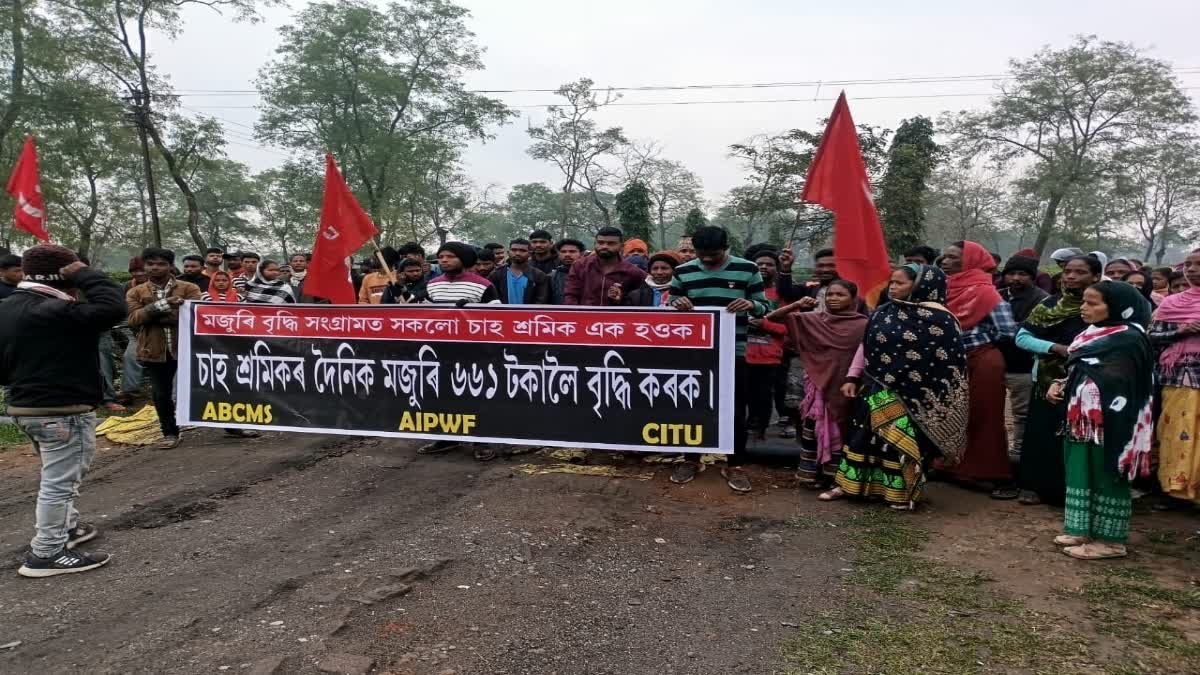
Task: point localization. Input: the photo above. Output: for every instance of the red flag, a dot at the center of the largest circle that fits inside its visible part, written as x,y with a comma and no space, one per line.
344,228
837,179
30,212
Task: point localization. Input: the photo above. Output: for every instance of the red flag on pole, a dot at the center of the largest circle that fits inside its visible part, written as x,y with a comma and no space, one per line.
344,228
30,212
837,179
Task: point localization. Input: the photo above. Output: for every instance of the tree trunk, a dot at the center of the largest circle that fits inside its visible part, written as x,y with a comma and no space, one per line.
564,210
1049,219
662,228
189,197
86,225
17,87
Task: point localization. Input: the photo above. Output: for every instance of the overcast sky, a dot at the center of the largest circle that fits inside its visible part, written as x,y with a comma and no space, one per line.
539,44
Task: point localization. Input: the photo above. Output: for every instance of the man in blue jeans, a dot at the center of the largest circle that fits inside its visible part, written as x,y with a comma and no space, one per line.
50,361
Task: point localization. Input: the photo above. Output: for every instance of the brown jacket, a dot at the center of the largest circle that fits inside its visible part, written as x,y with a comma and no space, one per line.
158,330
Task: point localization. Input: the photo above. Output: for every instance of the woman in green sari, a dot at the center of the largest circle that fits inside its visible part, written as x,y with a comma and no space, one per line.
1110,420
910,381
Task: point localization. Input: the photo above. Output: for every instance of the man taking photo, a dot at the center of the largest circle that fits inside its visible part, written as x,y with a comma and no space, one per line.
49,360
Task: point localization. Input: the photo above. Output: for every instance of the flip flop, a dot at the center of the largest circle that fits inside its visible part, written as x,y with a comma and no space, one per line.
1094,552
832,495
1070,540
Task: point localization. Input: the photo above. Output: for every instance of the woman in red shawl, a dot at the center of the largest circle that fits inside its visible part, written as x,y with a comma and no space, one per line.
985,320
221,289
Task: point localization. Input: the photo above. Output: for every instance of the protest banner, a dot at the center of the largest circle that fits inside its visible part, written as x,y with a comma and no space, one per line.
617,379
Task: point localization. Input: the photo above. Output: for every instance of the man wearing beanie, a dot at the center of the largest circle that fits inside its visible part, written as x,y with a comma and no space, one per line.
455,285
50,362
1019,290
154,312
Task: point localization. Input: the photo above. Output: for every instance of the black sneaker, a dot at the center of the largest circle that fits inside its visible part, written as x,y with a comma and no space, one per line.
737,479
81,533
684,473
63,562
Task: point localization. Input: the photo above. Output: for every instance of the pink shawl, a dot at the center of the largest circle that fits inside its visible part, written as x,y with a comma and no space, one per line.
1180,309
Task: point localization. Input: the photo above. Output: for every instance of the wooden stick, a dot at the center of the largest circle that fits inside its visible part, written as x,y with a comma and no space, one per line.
383,263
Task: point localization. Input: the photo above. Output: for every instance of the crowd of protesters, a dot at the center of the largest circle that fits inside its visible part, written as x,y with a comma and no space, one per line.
1098,365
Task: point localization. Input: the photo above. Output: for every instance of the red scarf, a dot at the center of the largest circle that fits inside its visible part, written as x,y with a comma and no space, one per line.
970,294
230,295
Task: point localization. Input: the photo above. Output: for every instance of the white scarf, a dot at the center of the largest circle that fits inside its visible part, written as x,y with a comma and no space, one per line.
45,290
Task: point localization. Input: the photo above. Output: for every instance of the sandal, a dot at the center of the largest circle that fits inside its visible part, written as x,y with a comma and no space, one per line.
1070,540
831,495
484,453
1006,493
903,507
1029,498
1096,551
737,479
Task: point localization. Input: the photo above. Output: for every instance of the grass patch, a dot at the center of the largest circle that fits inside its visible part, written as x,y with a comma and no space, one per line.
11,435
803,521
904,614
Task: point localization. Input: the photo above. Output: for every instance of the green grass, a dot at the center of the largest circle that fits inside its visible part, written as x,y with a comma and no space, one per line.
901,613
11,435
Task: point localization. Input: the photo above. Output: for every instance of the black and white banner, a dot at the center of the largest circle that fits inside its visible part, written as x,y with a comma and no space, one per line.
609,378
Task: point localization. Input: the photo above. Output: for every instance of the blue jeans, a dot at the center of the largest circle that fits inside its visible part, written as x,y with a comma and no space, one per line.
67,445
131,369
109,393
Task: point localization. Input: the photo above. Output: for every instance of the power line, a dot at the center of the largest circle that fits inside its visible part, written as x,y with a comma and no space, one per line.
936,79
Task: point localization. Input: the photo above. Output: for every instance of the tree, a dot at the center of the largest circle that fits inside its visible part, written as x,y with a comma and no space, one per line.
673,188
1072,111
1160,183
633,206
16,82
695,220
378,88
901,196
113,34
571,140
966,200
289,204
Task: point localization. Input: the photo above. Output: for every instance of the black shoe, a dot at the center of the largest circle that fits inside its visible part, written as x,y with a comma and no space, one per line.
684,473
737,479
63,562
437,447
81,533
242,433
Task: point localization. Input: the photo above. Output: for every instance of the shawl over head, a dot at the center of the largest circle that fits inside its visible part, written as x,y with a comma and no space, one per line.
971,295
1056,320
913,350
1115,354
1181,308
260,290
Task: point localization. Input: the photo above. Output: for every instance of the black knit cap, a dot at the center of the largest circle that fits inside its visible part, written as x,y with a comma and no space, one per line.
1019,263
464,252
41,264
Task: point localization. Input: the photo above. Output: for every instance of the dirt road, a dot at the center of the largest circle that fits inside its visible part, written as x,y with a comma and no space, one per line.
303,554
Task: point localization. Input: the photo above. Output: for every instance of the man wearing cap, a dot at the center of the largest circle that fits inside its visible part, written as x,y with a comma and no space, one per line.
1022,295
1060,258
49,360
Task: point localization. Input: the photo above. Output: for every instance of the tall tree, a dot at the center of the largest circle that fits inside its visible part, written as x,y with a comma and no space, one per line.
15,19
289,204
693,221
633,206
115,35
1072,111
1160,184
673,188
374,86
901,195
572,141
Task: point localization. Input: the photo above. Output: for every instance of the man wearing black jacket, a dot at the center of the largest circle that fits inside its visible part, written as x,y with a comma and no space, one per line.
519,282
49,359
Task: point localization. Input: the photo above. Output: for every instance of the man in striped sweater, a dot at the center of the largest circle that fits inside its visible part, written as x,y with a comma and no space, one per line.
717,279
455,285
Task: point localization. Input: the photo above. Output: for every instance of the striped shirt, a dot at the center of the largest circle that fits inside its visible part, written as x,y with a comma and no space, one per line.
736,279
467,286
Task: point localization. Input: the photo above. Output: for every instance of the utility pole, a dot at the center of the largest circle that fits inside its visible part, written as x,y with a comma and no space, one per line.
140,102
